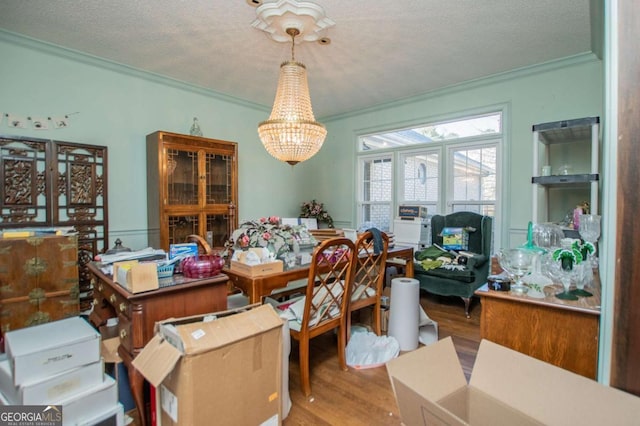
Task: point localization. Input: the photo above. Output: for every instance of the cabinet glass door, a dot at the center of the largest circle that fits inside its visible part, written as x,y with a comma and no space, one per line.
182,177
219,175
218,229
181,226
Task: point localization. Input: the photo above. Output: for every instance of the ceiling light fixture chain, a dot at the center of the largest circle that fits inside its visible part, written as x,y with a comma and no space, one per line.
293,32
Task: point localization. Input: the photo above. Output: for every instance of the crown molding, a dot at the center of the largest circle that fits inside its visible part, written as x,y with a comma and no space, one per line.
502,77
87,59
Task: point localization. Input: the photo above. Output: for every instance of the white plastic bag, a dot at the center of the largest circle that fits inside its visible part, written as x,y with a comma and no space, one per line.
366,350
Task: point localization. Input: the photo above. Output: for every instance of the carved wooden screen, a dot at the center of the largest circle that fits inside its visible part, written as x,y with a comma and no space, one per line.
26,187
54,183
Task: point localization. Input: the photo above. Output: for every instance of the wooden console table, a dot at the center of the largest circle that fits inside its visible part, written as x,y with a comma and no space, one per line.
137,313
257,287
560,332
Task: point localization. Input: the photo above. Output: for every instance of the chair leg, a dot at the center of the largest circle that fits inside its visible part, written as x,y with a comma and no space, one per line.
377,327
305,381
342,360
467,303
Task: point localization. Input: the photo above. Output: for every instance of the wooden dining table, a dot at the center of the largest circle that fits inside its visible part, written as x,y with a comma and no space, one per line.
257,287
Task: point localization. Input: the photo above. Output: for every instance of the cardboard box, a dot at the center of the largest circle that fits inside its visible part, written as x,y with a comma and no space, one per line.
47,349
225,366
42,392
257,270
412,211
506,388
136,277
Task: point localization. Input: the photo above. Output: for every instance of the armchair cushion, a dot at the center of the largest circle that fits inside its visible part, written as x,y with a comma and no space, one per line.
432,252
458,273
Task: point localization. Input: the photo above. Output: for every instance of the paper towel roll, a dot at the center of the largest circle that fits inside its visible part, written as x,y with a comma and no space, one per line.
404,312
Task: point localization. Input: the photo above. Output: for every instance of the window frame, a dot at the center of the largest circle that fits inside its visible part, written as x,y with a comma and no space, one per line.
360,202
444,206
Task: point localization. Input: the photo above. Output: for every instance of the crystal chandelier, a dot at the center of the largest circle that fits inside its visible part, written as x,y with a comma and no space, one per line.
291,133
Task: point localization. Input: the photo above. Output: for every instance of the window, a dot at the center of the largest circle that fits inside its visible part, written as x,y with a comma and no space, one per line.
474,177
421,178
376,191
447,166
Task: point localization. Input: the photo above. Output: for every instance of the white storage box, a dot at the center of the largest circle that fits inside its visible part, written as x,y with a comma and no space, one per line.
84,406
67,383
414,232
45,350
111,417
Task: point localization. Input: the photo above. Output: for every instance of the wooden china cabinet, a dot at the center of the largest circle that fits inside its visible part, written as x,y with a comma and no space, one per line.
192,189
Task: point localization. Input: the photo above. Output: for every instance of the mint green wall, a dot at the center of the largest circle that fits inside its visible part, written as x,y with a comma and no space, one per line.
117,107
570,88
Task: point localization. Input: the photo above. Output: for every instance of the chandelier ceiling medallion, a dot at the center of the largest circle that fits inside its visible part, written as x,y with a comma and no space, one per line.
291,133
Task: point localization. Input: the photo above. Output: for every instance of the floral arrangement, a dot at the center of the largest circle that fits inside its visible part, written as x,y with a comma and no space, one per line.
270,233
314,209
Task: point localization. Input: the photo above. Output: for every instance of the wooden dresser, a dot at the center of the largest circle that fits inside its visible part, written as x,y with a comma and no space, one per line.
38,280
137,313
560,332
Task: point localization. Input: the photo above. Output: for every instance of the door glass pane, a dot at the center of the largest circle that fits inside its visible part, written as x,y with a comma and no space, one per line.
182,175
219,178
180,227
217,229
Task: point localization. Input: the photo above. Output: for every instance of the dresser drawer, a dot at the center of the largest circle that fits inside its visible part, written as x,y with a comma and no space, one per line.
125,333
119,303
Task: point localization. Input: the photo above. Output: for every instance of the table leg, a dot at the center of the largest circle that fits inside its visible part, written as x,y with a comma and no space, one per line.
136,383
409,272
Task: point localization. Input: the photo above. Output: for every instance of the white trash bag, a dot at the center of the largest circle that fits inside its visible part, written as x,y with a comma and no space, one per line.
367,350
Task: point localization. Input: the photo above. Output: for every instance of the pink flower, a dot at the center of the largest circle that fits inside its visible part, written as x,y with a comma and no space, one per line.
244,240
266,236
263,220
274,220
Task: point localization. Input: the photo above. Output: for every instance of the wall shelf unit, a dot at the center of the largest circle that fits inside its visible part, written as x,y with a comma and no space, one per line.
570,148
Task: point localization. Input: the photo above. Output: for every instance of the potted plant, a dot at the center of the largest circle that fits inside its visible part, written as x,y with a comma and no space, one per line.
314,209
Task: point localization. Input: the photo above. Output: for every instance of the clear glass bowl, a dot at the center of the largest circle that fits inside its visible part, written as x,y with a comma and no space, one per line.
547,235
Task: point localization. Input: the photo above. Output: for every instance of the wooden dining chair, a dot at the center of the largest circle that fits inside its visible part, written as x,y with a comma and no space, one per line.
203,245
324,306
368,281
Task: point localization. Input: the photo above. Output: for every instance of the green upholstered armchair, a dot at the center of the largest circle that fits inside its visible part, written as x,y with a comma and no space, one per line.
464,281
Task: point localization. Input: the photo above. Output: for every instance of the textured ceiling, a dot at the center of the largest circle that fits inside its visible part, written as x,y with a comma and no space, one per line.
380,50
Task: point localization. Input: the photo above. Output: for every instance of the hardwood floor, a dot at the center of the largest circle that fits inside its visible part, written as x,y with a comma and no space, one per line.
364,397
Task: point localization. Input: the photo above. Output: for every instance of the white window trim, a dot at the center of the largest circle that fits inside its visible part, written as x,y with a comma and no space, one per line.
385,155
